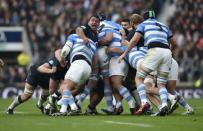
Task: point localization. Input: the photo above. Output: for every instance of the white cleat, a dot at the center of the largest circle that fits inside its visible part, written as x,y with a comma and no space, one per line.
189,111
174,105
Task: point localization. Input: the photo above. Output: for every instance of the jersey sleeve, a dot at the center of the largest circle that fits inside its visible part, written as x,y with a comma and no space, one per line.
53,62
70,39
123,48
103,33
83,27
130,35
140,28
170,34
119,27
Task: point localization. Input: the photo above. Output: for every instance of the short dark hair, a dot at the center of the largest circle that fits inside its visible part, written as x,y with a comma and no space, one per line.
125,20
102,16
95,15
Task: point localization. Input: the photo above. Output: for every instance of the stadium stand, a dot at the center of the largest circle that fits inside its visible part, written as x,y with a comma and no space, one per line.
186,23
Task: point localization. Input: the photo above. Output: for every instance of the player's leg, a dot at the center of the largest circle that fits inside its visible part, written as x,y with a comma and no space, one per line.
154,59
42,99
117,73
73,79
162,78
96,95
141,87
108,94
28,91
118,108
92,81
91,84
171,86
103,61
152,91
54,96
130,84
123,91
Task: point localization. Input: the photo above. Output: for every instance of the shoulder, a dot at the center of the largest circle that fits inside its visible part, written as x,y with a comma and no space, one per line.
72,37
85,27
53,61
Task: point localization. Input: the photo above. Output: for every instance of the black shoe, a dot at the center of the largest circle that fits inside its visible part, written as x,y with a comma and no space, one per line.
59,114
47,111
106,111
174,104
91,111
118,111
41,108
9,112
173,109
53,110
149,111
74,112
162,112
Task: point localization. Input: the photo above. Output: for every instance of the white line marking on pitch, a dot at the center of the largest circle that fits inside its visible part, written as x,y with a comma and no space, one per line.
18,112
128,123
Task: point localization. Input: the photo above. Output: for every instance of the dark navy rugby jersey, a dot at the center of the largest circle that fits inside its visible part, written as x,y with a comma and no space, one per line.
90,33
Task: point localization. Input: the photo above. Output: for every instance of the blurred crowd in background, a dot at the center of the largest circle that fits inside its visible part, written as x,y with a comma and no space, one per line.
187,25
48,22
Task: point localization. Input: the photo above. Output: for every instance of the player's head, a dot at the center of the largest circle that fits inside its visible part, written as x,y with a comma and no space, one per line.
149,14
125,23
94,22
102,16
135,19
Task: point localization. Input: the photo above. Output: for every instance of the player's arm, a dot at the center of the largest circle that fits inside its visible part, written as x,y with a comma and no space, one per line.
172,40
106,39
117,50
81,34
132,43
124,42
95,68
123,35
1,63
60,57
122,31
57,54
65,50
173,43
136,37
46,68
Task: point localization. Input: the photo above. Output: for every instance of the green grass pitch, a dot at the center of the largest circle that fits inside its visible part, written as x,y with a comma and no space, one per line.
28,118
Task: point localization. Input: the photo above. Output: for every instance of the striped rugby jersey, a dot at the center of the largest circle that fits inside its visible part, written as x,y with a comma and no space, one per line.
154,31
79,48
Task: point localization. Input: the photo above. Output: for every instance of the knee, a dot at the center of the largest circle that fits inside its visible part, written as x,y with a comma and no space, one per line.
25,97
115,84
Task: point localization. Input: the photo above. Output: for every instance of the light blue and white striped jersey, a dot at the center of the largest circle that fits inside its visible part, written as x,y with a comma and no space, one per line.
111,26
107,24
79,48
154,31
135,55
116,40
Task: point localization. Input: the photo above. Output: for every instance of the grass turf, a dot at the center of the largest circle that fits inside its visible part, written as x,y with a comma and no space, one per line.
29,118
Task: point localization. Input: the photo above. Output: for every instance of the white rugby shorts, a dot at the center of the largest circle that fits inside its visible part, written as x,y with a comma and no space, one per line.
159,59
116,68
79,72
